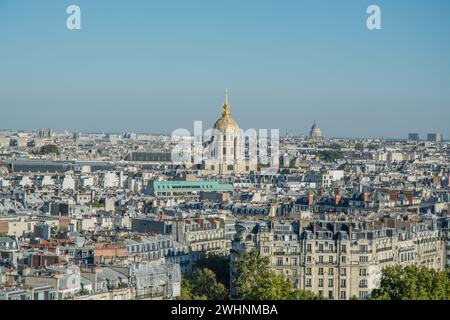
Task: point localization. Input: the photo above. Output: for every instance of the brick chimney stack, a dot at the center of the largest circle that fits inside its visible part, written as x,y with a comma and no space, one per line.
409,197
310,199
337,197
366,196
393,195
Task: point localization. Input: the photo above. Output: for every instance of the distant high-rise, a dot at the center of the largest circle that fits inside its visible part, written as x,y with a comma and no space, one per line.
413,137
434,137
315,132
44,133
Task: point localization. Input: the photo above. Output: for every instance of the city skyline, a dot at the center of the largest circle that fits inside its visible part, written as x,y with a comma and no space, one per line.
160,67
284,134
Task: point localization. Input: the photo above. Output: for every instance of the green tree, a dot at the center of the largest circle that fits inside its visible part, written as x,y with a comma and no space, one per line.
50,149
335,146
255,281
205,284
330,155
202,285
97,204
187,290
412,283
304,295
359,147
219,264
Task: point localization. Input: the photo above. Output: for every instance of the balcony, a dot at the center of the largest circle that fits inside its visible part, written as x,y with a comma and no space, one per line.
363,286
326,251
386,260
360,251
384,249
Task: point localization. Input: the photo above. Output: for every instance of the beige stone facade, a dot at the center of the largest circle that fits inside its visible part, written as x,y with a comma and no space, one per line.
340,265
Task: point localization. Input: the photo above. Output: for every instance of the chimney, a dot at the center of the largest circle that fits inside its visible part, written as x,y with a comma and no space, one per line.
393,195
409,197
436,180
310,199
366,196
337,197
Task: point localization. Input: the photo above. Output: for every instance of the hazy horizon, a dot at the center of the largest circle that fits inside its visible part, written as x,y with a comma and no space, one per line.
153,66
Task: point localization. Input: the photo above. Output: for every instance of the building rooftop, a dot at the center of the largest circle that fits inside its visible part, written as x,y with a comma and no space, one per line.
191,186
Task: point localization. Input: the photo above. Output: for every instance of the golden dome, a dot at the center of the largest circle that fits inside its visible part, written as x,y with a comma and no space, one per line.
226,121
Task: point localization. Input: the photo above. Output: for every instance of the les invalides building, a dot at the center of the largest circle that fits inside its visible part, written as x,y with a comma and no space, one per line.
226,148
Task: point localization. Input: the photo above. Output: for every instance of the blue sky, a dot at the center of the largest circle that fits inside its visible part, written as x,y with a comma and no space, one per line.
154,66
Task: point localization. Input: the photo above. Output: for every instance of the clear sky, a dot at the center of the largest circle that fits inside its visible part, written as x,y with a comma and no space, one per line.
154,66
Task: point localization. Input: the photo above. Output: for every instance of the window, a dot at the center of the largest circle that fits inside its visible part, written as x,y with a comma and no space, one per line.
362,272
330,259
320,259
308,283
330,271
320,283
343,295
343,259
279,261
320,271
363,283
343,272
364,259
330,283
363,294
308,247
343,283
344,248
308,271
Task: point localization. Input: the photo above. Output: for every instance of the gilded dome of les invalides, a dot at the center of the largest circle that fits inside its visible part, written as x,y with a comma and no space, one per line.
226,121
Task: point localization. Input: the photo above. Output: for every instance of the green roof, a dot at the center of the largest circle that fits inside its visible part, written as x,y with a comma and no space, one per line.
191,186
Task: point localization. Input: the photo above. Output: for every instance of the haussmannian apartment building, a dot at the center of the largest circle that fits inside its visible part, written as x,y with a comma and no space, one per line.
339,260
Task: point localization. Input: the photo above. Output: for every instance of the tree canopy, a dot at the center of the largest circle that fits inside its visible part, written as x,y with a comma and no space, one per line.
330,155
219,264
202,285
254,280
412,283
359,147
50,149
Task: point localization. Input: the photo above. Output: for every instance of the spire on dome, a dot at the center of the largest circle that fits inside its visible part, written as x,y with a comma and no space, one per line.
226,107
226,97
